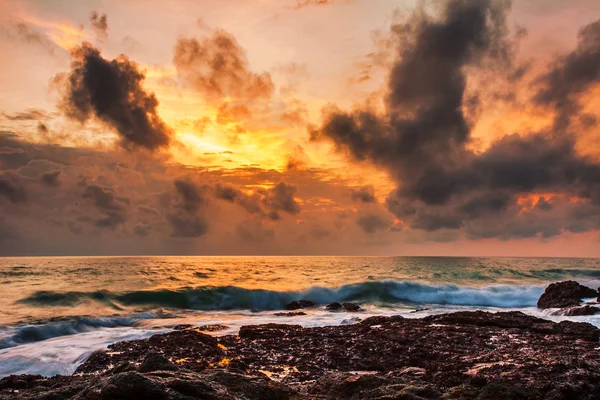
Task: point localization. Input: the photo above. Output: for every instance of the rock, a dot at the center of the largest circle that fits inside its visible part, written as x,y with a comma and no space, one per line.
182,327
577,311
295,305
565,294
156,362
132,385
289,314
460,356
420,310
335,306
350,307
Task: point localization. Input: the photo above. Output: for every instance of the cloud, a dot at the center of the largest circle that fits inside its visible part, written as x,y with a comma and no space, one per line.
185,226
252,230
570,76
217,67
50,178
100,24
112,92
187,217
11,187
372,223
306,3
112,206
30,114
424,135
264,202
364,194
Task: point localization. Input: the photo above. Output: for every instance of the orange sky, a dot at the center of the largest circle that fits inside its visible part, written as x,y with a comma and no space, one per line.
294,60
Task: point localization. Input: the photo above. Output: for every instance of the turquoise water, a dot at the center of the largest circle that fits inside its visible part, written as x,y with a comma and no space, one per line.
56,310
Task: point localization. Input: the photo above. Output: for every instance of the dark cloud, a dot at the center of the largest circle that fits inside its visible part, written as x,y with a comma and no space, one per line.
217,67
192,195
12,188
142,230
364,194
372,223
50,178
186,226
264,202
100,24
112,92
423,137
187,218
106,201
570,76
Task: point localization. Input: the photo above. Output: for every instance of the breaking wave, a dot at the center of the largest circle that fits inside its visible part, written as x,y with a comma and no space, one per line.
29,333
231,297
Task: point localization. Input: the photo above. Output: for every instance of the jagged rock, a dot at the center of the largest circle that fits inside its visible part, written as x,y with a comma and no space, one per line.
289,314
335,306
565,294
297,304
459,356
156,362
577,311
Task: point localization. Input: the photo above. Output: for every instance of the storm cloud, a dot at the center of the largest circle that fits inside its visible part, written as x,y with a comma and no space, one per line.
423,137
112,92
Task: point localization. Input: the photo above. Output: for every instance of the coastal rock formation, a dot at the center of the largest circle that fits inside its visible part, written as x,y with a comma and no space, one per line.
565,294
577,311
297,304
460,356
335,306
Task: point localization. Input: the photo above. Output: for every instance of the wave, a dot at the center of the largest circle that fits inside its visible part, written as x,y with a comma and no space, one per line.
371,292
29,333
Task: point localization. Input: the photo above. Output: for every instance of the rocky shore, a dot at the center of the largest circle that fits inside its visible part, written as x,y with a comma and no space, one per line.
466,355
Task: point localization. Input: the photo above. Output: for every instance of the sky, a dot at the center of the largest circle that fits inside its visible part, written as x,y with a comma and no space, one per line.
304,127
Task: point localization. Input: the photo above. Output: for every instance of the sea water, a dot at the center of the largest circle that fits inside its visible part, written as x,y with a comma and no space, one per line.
55,311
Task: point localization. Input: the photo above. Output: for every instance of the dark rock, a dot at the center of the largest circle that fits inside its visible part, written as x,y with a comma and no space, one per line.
289,314
565,294
420,310
212,328
181,327
335,306
156,362
461,356
350,307
297,304
267,331
577,311
132,385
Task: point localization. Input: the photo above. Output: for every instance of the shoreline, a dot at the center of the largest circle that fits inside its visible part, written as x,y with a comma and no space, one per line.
462,355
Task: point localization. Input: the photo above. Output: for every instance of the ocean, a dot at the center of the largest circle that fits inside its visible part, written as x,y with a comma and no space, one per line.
55,311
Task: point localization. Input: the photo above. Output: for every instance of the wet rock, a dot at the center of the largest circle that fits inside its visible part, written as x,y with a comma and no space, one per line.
181,327
297,304
212,328
565,294
577,311
267,331
459,356
335,306
420,310
156,362
289,314
132,385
